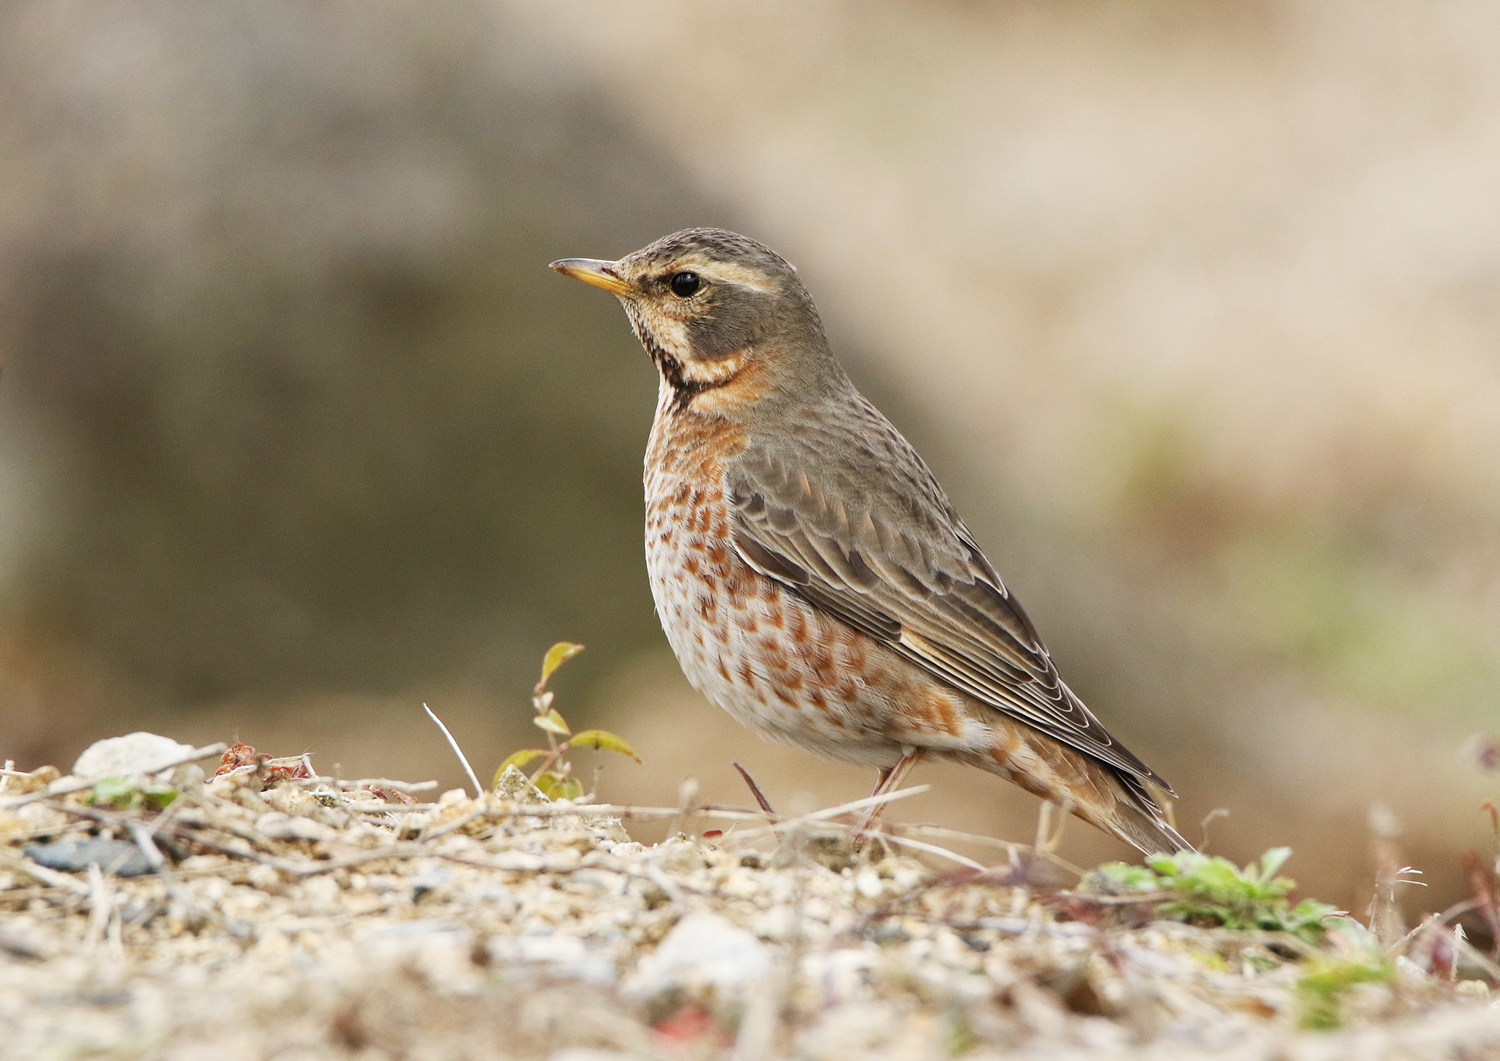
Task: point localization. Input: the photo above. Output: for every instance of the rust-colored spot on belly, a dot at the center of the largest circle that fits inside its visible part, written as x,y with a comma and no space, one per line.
922,708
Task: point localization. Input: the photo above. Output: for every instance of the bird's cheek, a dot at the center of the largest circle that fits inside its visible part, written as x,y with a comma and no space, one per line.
729,329
673,337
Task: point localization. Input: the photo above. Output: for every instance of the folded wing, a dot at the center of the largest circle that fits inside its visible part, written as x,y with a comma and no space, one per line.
898,565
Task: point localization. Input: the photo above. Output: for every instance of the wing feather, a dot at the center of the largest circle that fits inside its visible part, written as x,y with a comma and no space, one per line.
910,575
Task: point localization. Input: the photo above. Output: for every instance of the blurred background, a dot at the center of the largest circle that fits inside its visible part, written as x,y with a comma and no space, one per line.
1195,308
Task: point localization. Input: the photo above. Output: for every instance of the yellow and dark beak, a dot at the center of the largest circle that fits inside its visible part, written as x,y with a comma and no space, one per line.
595,272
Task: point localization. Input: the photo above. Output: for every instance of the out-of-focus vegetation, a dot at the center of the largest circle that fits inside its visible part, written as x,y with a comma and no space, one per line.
1190,305
1210,890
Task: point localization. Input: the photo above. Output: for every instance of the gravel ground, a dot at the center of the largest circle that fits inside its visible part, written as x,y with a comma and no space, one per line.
277,914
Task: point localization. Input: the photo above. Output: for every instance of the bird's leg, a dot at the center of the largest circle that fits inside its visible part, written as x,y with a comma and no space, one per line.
1051,819
755,790
890,780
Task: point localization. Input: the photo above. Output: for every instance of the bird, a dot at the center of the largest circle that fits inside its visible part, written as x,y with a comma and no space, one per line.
811,575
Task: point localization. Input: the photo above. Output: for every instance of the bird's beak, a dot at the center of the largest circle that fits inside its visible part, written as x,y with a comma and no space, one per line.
596,273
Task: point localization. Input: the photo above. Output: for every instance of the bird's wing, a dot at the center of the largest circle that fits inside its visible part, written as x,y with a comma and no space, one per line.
873,541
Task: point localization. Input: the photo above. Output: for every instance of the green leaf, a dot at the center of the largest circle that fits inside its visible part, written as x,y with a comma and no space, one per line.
1272,861
112,791
1121,878
1166,865
604,741
556,656
555,786
520,760
1210,890
161,798
552,722
124,794
1314,911
1322,989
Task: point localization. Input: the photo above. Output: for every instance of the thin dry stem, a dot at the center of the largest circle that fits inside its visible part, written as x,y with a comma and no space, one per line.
462,758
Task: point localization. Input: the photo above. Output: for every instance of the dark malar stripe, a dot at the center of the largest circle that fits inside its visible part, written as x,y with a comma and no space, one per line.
683,390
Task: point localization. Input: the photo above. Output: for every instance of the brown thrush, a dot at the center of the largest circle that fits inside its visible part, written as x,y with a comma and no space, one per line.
810,573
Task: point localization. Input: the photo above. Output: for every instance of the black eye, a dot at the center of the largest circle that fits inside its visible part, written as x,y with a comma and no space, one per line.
685,285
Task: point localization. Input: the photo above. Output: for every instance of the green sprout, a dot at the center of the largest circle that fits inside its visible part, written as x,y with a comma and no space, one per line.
1322,988
553,774
119,793
1210,890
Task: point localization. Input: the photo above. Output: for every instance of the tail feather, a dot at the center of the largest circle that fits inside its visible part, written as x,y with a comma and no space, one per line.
1139,821
1122,804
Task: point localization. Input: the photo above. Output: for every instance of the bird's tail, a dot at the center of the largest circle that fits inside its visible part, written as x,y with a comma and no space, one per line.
1139,820
1122,804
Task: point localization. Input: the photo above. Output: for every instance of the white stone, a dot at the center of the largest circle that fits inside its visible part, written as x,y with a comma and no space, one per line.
133,755
702,951
273,825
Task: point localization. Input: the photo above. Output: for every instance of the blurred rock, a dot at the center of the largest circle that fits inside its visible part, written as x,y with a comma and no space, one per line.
702,952
135,755
122,858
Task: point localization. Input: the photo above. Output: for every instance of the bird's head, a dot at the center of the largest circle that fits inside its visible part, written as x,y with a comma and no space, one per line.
726,320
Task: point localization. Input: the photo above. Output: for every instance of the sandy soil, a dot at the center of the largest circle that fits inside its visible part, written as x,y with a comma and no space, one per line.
275,913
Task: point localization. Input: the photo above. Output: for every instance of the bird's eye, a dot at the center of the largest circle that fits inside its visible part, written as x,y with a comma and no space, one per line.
685,285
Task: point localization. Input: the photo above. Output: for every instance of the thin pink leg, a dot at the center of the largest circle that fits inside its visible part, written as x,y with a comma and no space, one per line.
890,780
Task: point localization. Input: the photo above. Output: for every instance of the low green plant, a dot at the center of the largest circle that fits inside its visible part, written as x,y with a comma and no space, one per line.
553,774
119,793
1322,988
1209,890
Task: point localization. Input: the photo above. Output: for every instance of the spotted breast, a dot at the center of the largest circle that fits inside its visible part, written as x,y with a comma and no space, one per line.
778,665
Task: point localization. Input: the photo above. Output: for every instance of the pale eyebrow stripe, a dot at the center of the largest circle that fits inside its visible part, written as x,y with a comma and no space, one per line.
728,271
